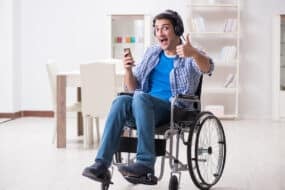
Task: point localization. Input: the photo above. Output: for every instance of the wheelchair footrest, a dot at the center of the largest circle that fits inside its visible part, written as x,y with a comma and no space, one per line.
149,179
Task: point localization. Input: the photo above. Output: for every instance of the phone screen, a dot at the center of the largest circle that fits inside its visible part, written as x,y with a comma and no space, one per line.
127,52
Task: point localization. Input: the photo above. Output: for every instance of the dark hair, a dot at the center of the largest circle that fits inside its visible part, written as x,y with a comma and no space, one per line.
174,18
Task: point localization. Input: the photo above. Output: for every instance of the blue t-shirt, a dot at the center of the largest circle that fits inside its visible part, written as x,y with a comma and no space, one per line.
159,77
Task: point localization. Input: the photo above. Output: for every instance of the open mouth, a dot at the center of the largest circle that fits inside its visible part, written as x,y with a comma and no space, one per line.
163,41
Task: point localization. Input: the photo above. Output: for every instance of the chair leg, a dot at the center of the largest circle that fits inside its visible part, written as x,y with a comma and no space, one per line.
54,134
79,124
90,132
87,133
97,129
54,130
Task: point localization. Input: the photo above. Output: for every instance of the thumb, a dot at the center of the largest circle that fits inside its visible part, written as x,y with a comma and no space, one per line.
188,38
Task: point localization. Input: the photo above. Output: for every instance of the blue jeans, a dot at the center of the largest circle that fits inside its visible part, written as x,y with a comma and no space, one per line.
147,112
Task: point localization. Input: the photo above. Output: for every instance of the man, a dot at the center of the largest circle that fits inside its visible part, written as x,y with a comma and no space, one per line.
167,69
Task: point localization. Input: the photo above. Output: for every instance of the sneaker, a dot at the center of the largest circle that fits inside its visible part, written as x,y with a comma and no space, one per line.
98,172
135,170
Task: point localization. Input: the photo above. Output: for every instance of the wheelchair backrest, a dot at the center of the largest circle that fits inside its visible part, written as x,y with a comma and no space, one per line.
198,93
199,88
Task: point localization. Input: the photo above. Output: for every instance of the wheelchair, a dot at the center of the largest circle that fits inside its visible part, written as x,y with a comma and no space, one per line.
200,131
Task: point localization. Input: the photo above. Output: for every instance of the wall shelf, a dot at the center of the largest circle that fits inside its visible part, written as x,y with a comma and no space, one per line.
214,5
215,27
219,90
278,70
128,30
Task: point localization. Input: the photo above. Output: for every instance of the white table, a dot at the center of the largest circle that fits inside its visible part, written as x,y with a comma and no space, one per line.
64,80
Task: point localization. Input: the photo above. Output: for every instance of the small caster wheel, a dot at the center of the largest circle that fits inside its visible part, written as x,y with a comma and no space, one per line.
173,183
105,186
118,157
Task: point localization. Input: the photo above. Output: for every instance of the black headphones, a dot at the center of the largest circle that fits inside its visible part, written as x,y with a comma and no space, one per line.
174,18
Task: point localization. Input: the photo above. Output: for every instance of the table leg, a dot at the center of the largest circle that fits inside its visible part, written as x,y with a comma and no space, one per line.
79,115
61,111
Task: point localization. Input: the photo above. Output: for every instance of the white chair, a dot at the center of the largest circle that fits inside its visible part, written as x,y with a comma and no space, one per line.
98,89
120,72
75,107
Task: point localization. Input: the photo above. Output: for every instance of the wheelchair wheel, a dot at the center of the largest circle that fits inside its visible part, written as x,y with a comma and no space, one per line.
173,183
206,150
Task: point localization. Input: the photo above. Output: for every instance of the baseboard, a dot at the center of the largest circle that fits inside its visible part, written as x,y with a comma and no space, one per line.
10,115
27,113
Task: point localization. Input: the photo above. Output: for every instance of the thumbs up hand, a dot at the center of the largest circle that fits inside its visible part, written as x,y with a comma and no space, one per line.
186,49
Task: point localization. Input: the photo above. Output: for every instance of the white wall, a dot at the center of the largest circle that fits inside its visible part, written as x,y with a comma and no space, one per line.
6,56
256,59
73,32
68,31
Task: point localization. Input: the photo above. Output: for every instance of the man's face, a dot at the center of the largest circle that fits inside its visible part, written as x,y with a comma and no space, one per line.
165,35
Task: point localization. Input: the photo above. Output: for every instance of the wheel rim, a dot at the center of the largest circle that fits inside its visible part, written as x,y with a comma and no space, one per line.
207,151
210,150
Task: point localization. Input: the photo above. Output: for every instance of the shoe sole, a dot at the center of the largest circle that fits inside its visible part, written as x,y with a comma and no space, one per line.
141,180
127,173
90,175
134,179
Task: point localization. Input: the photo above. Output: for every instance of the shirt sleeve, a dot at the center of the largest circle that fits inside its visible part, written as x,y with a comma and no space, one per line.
139,69
211,65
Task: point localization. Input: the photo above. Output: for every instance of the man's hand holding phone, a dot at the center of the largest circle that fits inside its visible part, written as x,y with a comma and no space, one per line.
128,60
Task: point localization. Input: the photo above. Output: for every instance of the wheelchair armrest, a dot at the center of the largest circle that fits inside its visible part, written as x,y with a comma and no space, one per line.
125,93
187,98
190,110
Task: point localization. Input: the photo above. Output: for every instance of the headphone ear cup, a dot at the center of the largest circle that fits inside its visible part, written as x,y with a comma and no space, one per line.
179,29
176,30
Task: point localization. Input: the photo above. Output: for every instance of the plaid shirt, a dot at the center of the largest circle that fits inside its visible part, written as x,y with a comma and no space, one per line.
184,77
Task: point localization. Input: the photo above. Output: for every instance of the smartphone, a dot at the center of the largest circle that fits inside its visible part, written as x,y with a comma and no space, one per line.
127,52
182,38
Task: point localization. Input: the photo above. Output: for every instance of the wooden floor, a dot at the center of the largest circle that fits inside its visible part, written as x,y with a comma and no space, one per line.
29,160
